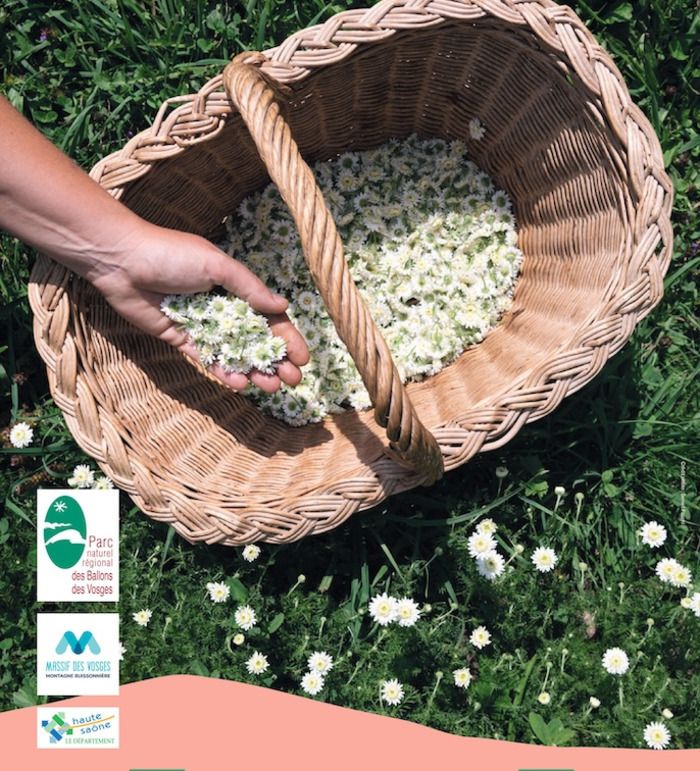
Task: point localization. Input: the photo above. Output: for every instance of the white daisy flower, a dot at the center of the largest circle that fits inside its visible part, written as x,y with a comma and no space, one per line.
257,664
245,617
653,534
476,130
667,713
407,612
544,698
142,617
103,483
486,527
657,736
382,608
392,692
462,677
83,476
480,637
665,569
544,559
480,543
122,651
251,552
238,638
695,603
594,702
615,661
21,435
218,591
320,662
490,565
681,576
312,683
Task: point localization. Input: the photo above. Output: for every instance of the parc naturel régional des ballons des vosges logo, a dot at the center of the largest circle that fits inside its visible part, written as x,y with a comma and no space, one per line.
65,532
77,545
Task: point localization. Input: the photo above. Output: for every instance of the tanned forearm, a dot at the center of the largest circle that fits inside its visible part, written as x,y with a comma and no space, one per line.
48,202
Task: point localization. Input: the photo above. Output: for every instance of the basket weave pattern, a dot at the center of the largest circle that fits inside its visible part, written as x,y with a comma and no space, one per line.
593,204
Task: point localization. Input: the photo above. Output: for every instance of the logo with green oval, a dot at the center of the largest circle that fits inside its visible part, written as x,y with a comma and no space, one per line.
65,531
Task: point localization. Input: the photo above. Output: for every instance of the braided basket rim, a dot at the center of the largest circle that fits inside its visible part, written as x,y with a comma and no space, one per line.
184,121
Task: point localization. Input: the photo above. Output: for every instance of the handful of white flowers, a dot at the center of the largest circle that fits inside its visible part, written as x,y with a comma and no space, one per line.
226,330
429,241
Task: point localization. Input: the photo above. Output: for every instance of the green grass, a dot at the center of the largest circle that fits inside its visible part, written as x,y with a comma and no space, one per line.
628,442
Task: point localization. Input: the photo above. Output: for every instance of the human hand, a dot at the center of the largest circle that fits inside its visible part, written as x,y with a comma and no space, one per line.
48,202
151,262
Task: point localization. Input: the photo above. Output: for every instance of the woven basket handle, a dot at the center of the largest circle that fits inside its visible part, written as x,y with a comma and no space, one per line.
253,94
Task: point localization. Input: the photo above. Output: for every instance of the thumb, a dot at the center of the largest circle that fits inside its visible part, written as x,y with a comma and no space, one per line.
236,278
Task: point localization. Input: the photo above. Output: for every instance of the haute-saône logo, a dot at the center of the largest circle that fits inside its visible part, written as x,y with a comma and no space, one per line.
77,545
77,728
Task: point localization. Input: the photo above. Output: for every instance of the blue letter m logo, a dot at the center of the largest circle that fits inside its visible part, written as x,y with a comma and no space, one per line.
78,645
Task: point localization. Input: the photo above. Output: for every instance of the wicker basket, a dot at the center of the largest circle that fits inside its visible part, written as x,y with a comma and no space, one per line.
580,161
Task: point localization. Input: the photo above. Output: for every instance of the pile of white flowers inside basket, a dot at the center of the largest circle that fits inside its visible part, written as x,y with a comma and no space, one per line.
430,242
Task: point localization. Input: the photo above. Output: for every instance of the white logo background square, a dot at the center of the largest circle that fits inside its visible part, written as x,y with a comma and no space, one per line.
90,728
62,515
73,674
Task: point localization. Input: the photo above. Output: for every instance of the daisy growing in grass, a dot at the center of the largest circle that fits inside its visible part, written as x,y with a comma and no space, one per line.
480,544
320,662
653,534
245,617
312,683
665,569
681,576
382,609
544,559
462,677
257,664
486,527
657,736
480,637
615,661
218,591
391,691
251,552
21,435
83,477
490,565
407,611
142,617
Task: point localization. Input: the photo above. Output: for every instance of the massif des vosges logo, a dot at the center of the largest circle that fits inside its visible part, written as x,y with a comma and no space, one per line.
65,531
78,645
77,654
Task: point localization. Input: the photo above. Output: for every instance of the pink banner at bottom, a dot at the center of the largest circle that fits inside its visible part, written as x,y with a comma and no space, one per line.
199,724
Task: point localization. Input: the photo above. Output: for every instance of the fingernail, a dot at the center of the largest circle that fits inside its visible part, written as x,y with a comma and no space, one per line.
279,297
